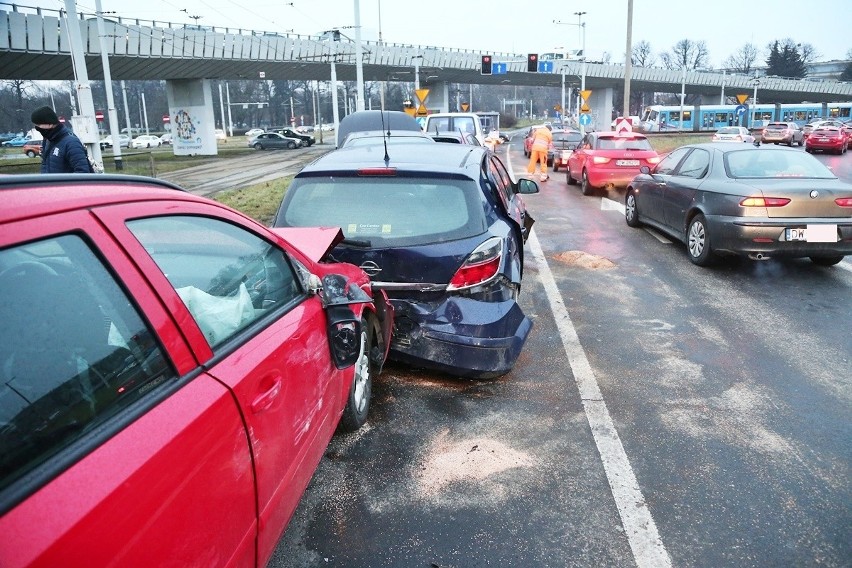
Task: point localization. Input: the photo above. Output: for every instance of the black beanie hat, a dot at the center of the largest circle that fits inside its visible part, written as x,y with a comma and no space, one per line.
44,115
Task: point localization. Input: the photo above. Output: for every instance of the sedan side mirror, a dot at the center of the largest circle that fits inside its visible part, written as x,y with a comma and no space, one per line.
527,186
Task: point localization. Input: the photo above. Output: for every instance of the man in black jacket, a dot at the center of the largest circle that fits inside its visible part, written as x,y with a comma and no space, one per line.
61,151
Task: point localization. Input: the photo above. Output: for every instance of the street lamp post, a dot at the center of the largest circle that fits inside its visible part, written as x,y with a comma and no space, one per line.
582,31
682,96
754,102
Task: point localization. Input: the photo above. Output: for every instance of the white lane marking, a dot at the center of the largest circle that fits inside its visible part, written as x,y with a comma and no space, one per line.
648,549
845,265
608,204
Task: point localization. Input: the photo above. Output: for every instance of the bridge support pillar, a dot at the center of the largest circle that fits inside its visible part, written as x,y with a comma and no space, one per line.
191,112
601,105
438,99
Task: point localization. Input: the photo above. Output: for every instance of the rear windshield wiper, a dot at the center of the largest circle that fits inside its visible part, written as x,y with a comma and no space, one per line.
361,243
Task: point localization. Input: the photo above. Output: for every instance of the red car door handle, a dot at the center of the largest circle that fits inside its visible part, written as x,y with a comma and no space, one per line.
265,399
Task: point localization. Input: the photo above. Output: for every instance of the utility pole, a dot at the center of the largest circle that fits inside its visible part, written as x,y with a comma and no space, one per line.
111,112
86,125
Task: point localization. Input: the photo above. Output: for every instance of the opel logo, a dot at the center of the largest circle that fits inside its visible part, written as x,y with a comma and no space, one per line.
814,194
370,267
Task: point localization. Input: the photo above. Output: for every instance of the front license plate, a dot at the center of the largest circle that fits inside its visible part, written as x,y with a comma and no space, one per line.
813,234
627,162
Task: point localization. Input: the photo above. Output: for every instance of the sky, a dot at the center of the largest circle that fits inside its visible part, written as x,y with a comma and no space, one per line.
518,26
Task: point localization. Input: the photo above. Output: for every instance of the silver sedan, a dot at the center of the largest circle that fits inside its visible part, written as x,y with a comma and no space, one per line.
737,199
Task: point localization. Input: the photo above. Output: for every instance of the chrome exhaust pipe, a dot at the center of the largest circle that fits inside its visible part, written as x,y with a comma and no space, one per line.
758,256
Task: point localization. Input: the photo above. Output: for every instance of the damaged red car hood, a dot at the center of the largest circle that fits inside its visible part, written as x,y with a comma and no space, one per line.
314,242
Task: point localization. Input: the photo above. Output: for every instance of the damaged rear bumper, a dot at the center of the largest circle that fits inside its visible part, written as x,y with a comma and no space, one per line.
461,336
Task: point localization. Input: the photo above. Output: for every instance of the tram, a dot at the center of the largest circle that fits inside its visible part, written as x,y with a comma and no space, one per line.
661,118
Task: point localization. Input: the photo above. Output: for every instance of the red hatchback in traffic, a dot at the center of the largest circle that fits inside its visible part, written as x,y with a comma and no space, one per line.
609,159
171,372
827,139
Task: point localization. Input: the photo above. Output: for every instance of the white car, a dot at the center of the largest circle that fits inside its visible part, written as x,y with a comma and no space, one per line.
146,141
123,141
254,132
220,135
733,134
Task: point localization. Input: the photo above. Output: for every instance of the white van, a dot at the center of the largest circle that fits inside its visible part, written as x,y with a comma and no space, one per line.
455,122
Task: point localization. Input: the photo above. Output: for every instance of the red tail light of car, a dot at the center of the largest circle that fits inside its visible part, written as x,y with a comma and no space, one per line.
653,160
600,160
481,266
764,202
844,201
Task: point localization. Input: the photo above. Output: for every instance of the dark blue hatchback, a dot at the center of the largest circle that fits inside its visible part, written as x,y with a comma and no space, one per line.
441,230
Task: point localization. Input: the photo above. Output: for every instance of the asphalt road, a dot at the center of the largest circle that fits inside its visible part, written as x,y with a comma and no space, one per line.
660,414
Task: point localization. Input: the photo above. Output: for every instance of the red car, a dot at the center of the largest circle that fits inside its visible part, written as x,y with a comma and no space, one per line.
827,139
608,160
172,372
32,149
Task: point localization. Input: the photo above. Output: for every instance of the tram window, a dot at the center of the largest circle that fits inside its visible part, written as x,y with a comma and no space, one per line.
800,115
844,112
687,115
674,115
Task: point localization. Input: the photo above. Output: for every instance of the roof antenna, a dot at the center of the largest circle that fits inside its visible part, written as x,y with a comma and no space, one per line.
385,137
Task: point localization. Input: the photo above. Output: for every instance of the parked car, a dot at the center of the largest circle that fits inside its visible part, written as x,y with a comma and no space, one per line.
563,145
171,372
827,139
733,134
32,149
608,160
787,133
166,139
17,141
273,140
220,135
123,141
442,232
254,132
455,138
307,139
146,141
731,199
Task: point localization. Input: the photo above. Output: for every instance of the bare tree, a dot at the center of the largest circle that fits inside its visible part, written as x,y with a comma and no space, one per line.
687,53
641,55
743,60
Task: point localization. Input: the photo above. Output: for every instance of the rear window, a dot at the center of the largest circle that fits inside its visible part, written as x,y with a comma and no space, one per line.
731,130
756,163
776,125
616,143
387,211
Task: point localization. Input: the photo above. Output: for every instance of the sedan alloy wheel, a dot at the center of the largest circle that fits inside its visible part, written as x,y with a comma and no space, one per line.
698,241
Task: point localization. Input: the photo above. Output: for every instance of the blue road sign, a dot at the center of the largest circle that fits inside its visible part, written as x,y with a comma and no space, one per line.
585,119
545,66
741,109
498,68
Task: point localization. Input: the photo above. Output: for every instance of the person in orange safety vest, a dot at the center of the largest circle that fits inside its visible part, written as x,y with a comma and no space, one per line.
542,139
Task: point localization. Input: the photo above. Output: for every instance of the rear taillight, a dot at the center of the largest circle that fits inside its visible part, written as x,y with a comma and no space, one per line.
844,201
600,160
481,266
764,202
654,160
739,138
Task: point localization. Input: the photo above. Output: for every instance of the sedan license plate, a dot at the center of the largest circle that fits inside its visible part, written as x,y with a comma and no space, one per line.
822,139
813,234
627,162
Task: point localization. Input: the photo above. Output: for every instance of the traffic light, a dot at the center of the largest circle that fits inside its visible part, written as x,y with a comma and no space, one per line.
486,65
532,62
